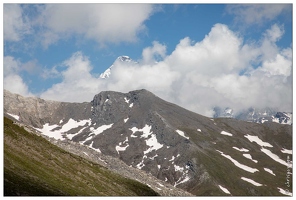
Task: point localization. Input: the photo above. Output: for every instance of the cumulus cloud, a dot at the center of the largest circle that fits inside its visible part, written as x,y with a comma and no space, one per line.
12,81
15,23
221,70
250,14
154,53
78,83
101,22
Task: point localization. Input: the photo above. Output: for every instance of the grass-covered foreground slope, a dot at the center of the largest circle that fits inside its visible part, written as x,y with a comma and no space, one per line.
33,167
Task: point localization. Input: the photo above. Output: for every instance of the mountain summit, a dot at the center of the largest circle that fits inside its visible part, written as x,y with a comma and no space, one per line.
201,155
107,72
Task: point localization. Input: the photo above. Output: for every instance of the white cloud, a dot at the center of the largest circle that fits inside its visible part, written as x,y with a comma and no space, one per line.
154,53
101,22
281,64
197,76
157,77
12,81
78,83
257,13
15,25
275,33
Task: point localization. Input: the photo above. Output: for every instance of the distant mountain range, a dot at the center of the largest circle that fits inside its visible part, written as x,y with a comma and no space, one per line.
256,115
203,156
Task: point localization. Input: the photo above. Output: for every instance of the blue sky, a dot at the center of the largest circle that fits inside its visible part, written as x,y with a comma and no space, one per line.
195,55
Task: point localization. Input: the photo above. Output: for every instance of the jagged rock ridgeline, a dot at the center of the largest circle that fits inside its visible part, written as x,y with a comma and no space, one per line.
177,146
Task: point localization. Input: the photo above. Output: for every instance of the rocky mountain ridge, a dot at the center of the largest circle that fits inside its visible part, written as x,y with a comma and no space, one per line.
177,146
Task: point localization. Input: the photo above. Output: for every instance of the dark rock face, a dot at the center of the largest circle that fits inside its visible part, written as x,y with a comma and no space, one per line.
175,145
283,118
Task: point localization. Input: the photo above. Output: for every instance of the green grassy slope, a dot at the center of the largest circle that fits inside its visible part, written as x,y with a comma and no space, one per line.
35,167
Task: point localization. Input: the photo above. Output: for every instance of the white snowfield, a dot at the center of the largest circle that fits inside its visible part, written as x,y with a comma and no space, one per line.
239,165
46,130
125,120
178,168
70,136
241,149
249,157
286,151
96,149
285,192
58,134
181,133
119,146
151,142
98,131
146,131
14,116
173,158
251,181
184,178
224,189
126,100
269,171
226,133
276,157
256,139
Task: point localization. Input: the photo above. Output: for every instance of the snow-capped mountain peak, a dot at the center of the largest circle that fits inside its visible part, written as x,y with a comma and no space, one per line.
124,59
107,72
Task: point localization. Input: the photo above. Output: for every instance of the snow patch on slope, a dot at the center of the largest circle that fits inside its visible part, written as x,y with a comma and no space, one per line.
236,163
269,171
251,181
276,157
181,133
241,149
226,133
249,157
98,131
14,116
256,139
119,146
224,189
58,134
284,192
126,100
47,130
151,142
286,151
